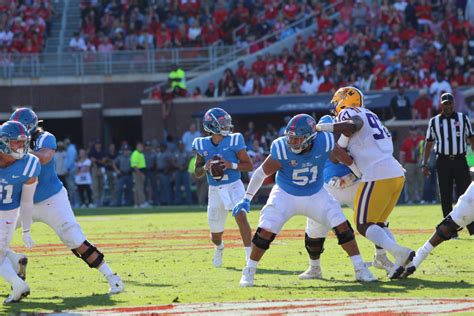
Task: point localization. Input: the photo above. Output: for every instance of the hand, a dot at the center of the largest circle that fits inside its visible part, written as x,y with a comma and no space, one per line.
243,205
27,240
227,165
426,171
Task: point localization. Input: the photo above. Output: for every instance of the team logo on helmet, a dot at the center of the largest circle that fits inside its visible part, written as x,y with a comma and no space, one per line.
218,121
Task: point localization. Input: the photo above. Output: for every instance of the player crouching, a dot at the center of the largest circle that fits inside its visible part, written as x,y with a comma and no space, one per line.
296,160
461,216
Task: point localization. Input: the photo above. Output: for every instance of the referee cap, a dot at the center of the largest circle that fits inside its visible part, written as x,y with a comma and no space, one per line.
447,97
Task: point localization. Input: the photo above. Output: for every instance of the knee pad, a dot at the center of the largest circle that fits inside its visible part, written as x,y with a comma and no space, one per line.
91,249
450,228
260,242
71,235
345,236
314,246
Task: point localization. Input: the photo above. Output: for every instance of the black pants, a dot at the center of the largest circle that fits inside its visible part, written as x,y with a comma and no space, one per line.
85,193
452,171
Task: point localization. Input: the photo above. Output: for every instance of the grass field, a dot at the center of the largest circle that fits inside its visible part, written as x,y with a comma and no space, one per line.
164,256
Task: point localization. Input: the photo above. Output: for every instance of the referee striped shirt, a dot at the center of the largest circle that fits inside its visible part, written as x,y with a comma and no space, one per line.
449,134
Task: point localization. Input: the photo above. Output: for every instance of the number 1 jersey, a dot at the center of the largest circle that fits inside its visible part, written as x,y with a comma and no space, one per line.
371,147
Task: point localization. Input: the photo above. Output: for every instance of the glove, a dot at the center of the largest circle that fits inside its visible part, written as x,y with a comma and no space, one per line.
243,205
29,242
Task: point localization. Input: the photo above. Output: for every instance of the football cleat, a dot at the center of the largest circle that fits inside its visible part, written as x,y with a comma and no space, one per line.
247,277
19,291
313,272
19,262
217,259
363,274
116,284
382,262
403,256
410,269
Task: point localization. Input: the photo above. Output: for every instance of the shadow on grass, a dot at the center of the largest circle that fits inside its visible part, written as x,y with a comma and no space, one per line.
268,271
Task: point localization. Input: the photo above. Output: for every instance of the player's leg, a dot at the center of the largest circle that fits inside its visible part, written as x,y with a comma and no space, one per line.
381,260
315,236
20,288
374,203
56,212
279,208
216,217
237,193
461,216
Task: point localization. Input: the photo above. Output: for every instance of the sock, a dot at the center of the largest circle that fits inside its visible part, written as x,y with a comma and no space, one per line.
221,246
378,236
314,263
422,253
252,263
248,250
357,260
380,252
389,233
8,273
105,269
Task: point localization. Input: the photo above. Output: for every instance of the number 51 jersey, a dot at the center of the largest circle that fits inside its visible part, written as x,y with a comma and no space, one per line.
371,147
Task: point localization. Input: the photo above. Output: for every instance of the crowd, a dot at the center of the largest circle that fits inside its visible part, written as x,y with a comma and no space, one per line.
384,45
136,25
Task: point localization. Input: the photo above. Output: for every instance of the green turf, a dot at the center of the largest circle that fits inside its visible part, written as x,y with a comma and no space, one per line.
164,256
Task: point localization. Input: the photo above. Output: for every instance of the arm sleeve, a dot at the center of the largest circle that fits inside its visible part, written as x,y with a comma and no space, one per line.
26,205
255,183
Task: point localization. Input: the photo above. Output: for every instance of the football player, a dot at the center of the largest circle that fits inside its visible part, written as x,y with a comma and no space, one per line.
370,145
51,202
461,216
342,183
18,179
226,151
298,159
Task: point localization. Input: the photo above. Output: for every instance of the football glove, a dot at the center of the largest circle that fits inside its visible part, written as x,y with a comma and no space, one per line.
243,205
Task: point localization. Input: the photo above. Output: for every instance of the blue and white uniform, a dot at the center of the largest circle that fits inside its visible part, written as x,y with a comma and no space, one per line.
223,194
51,202
299,187
12,179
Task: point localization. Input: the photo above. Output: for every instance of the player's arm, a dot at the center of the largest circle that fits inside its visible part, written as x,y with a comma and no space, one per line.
245,162
347,128
200,166
44,155
26,209
339,154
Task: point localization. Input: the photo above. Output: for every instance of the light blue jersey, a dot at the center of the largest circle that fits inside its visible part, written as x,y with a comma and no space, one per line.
48,181
227,149
12,179
302,174
332,169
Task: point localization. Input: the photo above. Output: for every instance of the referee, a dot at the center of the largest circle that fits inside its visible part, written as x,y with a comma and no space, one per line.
449,131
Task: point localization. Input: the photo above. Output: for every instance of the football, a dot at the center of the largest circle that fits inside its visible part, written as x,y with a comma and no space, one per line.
217,168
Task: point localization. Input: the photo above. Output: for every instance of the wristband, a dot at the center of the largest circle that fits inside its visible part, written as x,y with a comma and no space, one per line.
235,166
326,127
343,141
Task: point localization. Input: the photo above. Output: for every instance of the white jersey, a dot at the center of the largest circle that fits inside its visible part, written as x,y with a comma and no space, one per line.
371,147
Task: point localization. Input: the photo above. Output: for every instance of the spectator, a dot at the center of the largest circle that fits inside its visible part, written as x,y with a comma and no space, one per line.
459,100
181,162
177,78
400,106
309,85
150,174
77,43
408,159
422,108
211,91
71,156
164,167
60,157
122,165
138,164
189,136
83,179
437,88
99,160
257,154
111,174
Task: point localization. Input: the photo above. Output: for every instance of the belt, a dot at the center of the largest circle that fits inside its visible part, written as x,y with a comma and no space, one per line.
452,157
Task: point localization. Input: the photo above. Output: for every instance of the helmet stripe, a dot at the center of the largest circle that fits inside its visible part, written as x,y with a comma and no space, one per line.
296,119
17,115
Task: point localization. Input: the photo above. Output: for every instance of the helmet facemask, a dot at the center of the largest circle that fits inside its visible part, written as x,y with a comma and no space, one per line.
16,148
298,143
223,125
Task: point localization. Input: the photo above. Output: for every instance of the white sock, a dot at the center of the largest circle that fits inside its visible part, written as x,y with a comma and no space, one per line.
314,263
357,260
105,269
389,233
248,250
378,236
380,252
8,273
252,263
221,246
422,253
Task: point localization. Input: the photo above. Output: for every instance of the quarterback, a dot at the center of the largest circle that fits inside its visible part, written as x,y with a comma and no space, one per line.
18,179
297,159
222,156
370,145
51,203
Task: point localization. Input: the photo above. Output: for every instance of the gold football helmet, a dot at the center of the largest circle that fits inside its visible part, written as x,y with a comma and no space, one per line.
346,97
